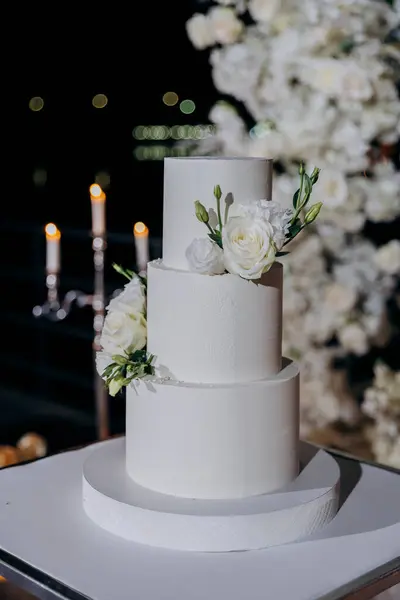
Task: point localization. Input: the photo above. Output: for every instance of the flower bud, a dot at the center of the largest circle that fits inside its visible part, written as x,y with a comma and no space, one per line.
313,213
301,169
217,192
201,212
315,175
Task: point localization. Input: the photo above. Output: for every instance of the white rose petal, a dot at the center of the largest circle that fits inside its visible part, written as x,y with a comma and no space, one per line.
131,299
200,32
206,257
225,25
248,246
387,258
340,298
270,211
103,360
354,339
264,10
123,333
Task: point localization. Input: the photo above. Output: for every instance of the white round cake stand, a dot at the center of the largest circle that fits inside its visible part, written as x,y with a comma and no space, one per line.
117,504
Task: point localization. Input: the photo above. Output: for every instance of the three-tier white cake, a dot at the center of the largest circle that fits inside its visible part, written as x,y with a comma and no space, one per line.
211,457
223,423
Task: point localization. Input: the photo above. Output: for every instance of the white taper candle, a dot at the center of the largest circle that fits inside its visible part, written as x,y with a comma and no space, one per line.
53,237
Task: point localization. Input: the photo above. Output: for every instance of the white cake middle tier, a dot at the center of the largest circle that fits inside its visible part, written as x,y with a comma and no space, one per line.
214,329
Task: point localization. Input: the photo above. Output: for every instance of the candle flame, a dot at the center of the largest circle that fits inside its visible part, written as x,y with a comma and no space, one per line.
140,230
52,233
96,193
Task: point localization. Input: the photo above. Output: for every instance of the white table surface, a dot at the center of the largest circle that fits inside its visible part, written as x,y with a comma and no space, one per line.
42,522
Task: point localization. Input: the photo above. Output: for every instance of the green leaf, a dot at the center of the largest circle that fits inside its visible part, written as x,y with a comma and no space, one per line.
307,185
295,228
278,254
296,199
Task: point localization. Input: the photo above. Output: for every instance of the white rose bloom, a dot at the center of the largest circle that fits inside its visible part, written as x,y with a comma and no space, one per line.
225,25
272,212
340,298
354,339
123,333
206,257
248,246
331,189
200,31
131,299
264,10
387,258
343,79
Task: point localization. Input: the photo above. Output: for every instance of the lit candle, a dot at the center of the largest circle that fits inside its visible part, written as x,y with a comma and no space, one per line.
98,200
141,234
53,237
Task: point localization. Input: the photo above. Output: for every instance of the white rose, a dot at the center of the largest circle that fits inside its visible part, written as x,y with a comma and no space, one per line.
340,298
354,339
248,246
225,25
200,32
123,332
264,10
206,257
131,299
331,189
387,258
272,212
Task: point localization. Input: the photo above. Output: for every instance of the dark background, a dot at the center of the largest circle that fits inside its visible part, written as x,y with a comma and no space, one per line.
52,157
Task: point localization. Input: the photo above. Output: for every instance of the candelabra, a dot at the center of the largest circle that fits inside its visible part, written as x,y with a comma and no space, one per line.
56,309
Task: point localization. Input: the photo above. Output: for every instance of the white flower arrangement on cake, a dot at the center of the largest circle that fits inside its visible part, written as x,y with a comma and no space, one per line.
248,243
123,356
245,245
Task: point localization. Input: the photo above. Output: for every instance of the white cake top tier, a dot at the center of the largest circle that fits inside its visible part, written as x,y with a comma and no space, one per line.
194,178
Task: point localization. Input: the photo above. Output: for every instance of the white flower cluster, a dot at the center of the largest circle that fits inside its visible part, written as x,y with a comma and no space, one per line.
250,241
318,79
382,404
124,330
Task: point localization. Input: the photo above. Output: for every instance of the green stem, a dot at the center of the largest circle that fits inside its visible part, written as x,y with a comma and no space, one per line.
299,198
210,228
292,238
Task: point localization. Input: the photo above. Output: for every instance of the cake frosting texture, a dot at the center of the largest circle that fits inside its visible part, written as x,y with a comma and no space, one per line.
220,420
210,441
220,329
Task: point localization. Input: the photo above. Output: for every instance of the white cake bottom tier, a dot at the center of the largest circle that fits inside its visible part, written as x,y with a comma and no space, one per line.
116,503
220,329
214,441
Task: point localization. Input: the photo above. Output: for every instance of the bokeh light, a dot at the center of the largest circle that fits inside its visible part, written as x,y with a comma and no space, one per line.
39,177
170,98
173,132
36,103
100,101
187,107
103,179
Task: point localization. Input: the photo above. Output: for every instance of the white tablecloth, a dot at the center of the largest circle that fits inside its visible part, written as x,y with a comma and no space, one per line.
43,523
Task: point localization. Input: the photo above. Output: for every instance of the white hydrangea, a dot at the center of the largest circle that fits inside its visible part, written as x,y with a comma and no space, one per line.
318,80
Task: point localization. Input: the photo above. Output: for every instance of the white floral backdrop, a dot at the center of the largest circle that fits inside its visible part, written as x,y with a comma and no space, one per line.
317,81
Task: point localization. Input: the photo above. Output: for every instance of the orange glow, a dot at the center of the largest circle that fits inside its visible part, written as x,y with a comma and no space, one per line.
2,579
52,233
140,230
96,193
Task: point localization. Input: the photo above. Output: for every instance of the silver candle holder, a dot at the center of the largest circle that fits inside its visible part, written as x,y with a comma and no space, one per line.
56,309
